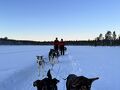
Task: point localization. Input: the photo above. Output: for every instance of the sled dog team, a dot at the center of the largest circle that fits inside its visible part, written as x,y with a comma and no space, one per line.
73,82
53,54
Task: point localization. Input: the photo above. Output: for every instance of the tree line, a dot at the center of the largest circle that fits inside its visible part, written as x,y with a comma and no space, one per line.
109,39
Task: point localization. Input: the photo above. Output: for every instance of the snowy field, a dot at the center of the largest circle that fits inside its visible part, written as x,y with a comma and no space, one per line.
18,68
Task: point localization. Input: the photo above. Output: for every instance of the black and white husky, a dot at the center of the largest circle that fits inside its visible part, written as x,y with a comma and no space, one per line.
40,64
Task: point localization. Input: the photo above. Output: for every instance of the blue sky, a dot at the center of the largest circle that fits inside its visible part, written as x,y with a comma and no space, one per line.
67,19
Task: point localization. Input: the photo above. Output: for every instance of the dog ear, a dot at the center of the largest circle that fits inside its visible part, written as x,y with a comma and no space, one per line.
93,79
37,57
35,83
38,83
49,74
55,81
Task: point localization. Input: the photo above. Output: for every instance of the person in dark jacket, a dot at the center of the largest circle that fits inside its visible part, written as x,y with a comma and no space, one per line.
61,46
56,45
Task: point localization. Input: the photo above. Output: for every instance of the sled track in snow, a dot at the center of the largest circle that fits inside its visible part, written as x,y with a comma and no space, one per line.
23,79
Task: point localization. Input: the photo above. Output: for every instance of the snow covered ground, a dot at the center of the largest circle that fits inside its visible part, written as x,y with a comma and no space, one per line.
18,68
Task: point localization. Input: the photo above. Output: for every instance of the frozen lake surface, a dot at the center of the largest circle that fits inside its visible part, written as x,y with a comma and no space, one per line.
18,68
